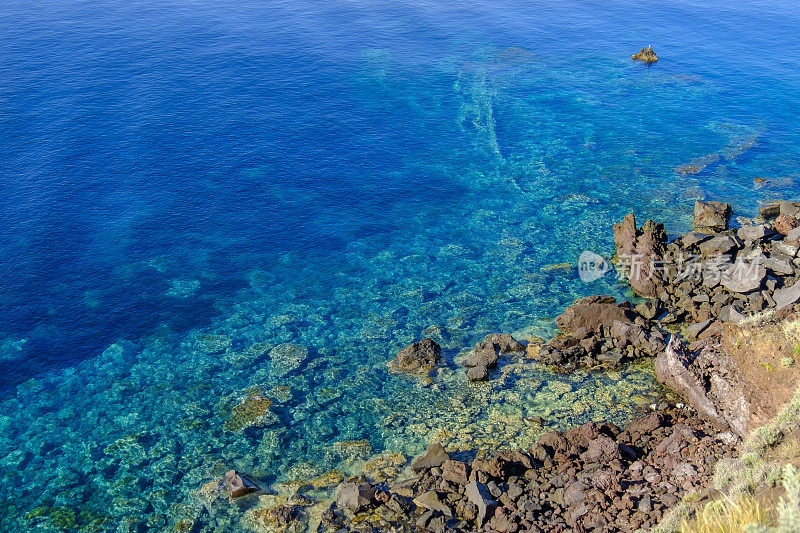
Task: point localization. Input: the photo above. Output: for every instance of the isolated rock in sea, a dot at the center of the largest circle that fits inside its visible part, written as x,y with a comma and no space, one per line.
418,358
478,373
487,352
646,54
238,486
711,217
504,343
483,355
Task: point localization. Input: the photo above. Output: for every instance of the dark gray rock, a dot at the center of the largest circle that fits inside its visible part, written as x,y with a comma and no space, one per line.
478,373
478,494
482,355
770,210
721,244
743,277
418,358
787,296
355,496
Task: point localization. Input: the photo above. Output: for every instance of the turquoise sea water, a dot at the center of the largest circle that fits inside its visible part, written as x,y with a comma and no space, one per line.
187,187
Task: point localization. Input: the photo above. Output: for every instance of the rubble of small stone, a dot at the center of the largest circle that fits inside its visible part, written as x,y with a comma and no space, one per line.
596,331
487,353
593,477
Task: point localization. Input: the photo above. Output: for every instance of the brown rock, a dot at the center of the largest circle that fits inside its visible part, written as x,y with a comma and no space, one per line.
637,251
592,312
785,223
711,217
419,358
455,472
646,54
434,456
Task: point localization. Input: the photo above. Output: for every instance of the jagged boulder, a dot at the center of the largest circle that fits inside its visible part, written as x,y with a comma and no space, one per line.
638,252
646,54
711,217
418,358
355,496
237,485
434,455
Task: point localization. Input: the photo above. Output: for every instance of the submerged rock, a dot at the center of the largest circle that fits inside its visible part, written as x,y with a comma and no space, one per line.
287,358
252,411
419,358
646,54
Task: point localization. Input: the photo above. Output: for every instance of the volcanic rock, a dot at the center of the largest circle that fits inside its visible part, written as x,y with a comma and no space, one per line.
418,358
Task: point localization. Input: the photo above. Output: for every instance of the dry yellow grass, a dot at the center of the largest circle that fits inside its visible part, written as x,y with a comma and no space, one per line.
728,515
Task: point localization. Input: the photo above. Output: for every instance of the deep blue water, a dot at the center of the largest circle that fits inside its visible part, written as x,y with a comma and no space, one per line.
344,176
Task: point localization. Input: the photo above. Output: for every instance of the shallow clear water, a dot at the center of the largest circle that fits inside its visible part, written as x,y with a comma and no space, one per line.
187,185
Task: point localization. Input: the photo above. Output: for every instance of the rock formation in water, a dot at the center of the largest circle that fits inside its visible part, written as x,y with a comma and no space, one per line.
646,54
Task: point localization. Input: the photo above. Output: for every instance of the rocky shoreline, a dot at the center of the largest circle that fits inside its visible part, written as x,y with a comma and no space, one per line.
699,290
